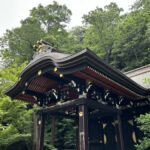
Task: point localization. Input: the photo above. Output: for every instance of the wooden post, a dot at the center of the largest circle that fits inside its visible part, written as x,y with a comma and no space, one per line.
53,130
120,141
83,128
39,124
77,135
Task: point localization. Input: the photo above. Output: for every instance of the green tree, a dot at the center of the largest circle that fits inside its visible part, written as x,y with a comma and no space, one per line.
17,44
75,39
47,23
144,122
141,5
16,126
15,117
52,17
144,125
100,35
131,46
65,128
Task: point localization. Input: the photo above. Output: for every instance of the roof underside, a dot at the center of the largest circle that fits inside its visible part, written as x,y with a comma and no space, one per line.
47,73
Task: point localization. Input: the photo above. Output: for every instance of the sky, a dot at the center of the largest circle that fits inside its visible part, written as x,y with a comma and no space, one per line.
12,11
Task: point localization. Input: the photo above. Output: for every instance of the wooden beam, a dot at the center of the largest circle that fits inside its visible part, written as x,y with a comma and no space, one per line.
74,103
68,116
83,128
62,106
101,115
139,110
104,108
39,124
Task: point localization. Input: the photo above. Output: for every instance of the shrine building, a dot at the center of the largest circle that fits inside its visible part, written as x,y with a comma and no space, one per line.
101,100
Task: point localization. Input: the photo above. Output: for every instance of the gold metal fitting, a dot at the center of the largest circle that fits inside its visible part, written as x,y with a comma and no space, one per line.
80,114
55,69
39,72
61,75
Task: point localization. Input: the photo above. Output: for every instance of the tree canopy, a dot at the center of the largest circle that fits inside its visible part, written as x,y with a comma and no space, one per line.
46,23
100,35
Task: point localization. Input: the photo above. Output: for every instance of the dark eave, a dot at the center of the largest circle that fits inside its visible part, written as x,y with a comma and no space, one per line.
76,63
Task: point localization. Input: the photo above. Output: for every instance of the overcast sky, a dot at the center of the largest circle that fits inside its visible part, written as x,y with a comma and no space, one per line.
12,11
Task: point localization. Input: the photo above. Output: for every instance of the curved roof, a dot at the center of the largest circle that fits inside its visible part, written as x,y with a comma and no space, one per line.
48,70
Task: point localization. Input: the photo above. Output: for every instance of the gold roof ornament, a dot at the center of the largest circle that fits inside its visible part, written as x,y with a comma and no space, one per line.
42,46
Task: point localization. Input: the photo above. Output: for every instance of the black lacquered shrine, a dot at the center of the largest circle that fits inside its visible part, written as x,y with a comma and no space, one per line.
103,101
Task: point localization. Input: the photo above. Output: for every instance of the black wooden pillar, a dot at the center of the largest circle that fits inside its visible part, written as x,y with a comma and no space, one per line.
39,124
83,128
120,140
77,134
53,130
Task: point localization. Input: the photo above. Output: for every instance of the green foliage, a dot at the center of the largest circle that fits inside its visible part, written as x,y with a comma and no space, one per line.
147,81
100,35
144,122
52,17
9,75
121,40
15,138
65,128
52,20
15,118
65,133
18,44
49,147
47,23
141,5
75,41
131,47
144,125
